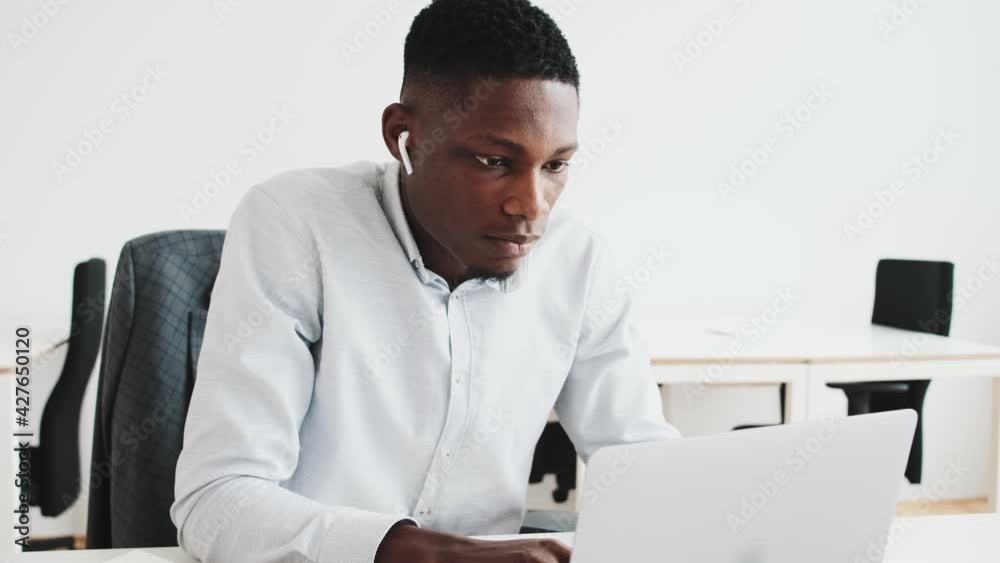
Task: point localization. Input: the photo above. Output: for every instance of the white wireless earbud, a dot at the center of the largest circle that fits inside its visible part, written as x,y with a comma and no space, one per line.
402,151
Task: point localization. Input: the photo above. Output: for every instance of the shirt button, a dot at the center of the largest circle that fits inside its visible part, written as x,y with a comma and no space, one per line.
446,452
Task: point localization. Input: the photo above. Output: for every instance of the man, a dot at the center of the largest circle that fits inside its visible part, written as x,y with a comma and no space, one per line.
383,348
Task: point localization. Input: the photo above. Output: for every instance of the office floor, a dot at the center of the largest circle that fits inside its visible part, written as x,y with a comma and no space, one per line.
941,507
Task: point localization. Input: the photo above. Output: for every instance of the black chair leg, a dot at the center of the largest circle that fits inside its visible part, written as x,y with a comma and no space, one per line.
781,396
555,454
912,399
560,494
859,402
537,472
915,465
565,482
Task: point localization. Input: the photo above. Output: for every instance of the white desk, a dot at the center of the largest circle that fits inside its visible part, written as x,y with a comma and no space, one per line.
885,354
928,539
688,358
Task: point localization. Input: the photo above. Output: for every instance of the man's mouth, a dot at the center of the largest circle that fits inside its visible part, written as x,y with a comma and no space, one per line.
511,246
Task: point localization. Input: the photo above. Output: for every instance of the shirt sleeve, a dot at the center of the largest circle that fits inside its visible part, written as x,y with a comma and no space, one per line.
610,397
253,388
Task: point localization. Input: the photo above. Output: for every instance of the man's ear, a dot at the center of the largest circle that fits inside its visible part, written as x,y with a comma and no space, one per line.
396,119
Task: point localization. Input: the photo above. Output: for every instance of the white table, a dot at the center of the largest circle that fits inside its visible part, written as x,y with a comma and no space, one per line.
928,539
687,358
885,354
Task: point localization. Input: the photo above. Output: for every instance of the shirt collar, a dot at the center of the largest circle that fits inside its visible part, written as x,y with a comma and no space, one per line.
392,206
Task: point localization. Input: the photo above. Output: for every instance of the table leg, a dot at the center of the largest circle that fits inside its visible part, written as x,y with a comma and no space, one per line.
815,389
796,398
993,484
666,390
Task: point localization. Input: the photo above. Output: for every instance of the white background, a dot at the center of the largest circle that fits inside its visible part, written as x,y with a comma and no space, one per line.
655,185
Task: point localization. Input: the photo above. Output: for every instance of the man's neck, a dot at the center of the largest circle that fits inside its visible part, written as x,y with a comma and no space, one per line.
435,257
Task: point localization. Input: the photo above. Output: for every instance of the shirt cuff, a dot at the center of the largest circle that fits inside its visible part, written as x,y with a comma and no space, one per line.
357,537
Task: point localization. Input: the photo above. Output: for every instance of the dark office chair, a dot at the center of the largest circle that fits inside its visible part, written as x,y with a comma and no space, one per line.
156,322
55,462
555,454
911,295
156,319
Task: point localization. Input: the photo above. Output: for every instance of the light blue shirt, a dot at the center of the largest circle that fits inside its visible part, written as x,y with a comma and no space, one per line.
343,387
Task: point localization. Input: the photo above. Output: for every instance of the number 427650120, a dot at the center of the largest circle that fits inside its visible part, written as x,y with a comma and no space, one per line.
22,397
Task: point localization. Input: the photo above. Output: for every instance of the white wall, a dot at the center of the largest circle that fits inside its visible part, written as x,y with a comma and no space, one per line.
655,184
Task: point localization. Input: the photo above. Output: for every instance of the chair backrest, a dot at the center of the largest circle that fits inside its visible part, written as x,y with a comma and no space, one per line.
914,295
156,320
55,468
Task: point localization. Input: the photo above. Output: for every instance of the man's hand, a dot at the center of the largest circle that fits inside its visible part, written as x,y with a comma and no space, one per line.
410,544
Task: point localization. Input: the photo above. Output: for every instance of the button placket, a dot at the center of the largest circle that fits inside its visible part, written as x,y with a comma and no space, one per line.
457,410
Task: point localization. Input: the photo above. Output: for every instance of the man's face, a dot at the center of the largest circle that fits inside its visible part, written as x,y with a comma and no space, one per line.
489,169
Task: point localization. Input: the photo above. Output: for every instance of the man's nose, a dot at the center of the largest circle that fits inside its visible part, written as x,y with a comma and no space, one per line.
527,197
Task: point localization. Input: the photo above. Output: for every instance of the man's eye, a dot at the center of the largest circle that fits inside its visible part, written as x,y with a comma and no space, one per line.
558,165
492,161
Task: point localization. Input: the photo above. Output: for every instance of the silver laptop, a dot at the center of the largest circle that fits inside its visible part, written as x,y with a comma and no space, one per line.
816,492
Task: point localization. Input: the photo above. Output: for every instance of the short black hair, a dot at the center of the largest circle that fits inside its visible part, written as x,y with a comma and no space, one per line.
451,43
